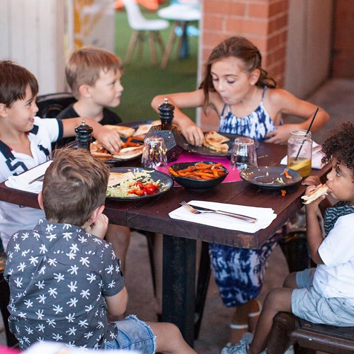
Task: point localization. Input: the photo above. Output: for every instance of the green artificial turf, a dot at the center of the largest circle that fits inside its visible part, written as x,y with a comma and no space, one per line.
142,81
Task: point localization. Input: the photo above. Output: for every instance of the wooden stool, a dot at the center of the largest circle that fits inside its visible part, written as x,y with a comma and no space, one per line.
308,337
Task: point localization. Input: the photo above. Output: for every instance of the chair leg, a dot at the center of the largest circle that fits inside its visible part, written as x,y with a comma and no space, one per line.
152,48
169,46
4,301
159,40
202,287
279,336
131,46
141,39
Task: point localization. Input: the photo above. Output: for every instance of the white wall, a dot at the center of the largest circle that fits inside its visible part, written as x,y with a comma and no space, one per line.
39,34
31,34
308,46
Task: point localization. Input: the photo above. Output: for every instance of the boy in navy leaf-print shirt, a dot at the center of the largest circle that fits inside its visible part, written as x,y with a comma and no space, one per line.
64,278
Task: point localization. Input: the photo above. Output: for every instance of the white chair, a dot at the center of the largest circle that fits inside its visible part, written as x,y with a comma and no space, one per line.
140,24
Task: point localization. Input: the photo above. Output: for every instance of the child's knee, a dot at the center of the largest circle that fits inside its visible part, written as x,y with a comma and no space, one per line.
290,281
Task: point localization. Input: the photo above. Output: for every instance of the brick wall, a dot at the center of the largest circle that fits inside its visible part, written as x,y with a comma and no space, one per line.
264,22
343,49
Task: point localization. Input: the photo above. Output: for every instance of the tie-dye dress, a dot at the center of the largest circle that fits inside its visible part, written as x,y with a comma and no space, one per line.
239,272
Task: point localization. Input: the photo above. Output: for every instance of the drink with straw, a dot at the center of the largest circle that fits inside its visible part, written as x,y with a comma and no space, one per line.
300,152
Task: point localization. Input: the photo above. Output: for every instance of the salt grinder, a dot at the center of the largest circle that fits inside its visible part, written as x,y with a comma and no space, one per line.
83,135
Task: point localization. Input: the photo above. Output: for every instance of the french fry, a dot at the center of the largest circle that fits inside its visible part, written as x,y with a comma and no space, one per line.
200,171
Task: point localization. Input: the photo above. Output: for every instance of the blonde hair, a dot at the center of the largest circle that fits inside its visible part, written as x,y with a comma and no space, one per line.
74,185
85,65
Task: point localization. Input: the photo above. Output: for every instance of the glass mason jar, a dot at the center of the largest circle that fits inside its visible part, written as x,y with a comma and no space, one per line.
300,152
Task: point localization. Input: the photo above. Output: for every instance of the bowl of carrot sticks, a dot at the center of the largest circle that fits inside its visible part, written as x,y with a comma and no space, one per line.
198,176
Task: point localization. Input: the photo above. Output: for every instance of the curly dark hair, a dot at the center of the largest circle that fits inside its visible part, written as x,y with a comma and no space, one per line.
340,145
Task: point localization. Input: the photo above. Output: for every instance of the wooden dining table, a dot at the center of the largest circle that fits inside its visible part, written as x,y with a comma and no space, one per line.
180,237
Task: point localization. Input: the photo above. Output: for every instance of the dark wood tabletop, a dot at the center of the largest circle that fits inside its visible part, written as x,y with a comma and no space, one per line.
180,237
151,214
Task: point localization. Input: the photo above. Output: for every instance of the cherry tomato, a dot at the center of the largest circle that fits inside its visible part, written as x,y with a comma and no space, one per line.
149,190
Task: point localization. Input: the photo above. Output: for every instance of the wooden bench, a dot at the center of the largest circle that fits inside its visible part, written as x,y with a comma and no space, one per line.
308,337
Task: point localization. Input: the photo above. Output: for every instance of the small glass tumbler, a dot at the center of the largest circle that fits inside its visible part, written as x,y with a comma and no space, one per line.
300,152
243,153
154,154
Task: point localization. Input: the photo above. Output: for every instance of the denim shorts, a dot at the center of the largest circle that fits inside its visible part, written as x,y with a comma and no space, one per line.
308,304
133,334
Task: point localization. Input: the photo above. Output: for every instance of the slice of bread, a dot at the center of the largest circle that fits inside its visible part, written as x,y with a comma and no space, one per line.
125,132
215,141
321,189
129,152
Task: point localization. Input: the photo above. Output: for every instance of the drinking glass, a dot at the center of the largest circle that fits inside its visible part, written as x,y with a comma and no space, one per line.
154,154
300,152
243,153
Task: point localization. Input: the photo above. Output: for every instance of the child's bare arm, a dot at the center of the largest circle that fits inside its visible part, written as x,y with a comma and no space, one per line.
189,129
108,137
289,104
314,234
117,304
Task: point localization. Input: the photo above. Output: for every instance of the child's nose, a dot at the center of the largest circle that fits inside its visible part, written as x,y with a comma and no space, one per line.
35,108
330,175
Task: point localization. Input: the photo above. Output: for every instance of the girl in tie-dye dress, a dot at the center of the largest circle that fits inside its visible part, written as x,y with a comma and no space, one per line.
247,101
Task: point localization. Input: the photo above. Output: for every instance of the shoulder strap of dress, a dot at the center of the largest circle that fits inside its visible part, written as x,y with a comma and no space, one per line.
223,109
263,93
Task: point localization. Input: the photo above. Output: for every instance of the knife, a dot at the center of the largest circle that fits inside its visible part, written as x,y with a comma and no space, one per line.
39,178
227,213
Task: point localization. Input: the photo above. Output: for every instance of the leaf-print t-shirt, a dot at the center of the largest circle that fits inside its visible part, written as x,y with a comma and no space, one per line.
58,276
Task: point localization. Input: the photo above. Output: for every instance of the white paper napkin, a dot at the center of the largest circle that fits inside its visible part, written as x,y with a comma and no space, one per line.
22,181
265,216
316,161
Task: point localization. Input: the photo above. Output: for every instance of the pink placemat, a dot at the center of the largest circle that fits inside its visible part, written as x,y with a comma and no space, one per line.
234,173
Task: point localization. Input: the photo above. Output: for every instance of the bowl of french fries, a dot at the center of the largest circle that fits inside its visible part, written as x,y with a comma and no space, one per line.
198,176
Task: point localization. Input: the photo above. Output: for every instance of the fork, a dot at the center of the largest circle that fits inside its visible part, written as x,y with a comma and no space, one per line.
232,215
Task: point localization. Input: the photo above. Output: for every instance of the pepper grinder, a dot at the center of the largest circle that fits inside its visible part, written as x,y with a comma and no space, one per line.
172,136
83,135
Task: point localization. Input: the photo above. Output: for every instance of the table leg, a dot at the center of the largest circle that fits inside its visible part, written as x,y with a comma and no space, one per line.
183,48
179,258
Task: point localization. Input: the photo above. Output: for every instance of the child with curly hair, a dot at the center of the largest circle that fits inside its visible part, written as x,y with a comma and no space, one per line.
323,294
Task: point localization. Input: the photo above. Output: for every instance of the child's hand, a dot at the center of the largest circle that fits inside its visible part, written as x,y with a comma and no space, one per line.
110,139
281,134
99,227
313,206
192,132
311,181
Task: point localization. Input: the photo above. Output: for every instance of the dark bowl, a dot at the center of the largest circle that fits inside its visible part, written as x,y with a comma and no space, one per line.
195,184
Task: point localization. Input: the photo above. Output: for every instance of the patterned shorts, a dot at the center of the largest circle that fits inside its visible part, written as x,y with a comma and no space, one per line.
133,334
308,304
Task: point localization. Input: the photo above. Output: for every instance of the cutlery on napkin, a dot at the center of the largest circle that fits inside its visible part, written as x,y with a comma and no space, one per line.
316,161
29,181
264,216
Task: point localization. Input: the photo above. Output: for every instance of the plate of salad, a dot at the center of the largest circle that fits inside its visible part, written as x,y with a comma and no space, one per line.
134,183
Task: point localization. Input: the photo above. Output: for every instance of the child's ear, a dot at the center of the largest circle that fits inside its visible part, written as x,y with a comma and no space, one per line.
3,110
96,213
40,200
255,76
85,91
